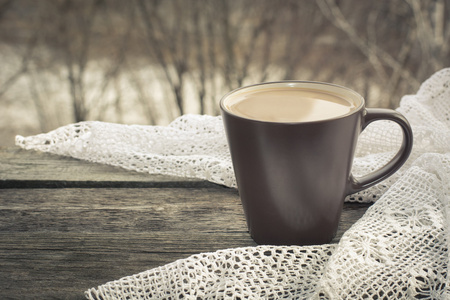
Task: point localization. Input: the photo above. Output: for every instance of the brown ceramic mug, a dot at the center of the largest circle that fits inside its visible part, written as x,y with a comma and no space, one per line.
292,145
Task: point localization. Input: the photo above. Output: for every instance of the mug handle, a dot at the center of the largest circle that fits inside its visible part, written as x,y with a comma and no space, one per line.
375,114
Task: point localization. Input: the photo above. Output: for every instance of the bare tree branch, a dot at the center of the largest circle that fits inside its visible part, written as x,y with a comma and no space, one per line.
24,65
162,43
112,72
377,57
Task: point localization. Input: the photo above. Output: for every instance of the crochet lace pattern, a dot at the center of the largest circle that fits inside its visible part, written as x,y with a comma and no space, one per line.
397,250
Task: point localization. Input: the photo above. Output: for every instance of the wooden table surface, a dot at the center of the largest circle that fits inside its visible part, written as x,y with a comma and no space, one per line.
67,225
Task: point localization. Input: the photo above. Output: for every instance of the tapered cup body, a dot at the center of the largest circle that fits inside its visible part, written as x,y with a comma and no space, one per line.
292,178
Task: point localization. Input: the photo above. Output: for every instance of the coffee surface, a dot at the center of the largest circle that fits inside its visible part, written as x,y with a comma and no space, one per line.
289,104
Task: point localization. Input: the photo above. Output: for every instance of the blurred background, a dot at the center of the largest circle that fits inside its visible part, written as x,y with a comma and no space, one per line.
149,61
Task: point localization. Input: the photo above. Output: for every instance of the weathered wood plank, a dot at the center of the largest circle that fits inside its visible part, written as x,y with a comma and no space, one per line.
122,210
54,240
33,169
56,243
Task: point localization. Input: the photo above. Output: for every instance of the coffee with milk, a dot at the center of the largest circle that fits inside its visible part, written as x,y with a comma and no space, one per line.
288,104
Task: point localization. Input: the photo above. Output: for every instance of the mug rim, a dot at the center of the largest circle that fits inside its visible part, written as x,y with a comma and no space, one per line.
285,83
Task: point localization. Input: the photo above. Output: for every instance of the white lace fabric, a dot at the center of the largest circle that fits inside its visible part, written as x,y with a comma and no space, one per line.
397,250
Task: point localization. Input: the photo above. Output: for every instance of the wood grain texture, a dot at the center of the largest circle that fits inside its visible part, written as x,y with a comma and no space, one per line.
33,169
73,239
57,242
